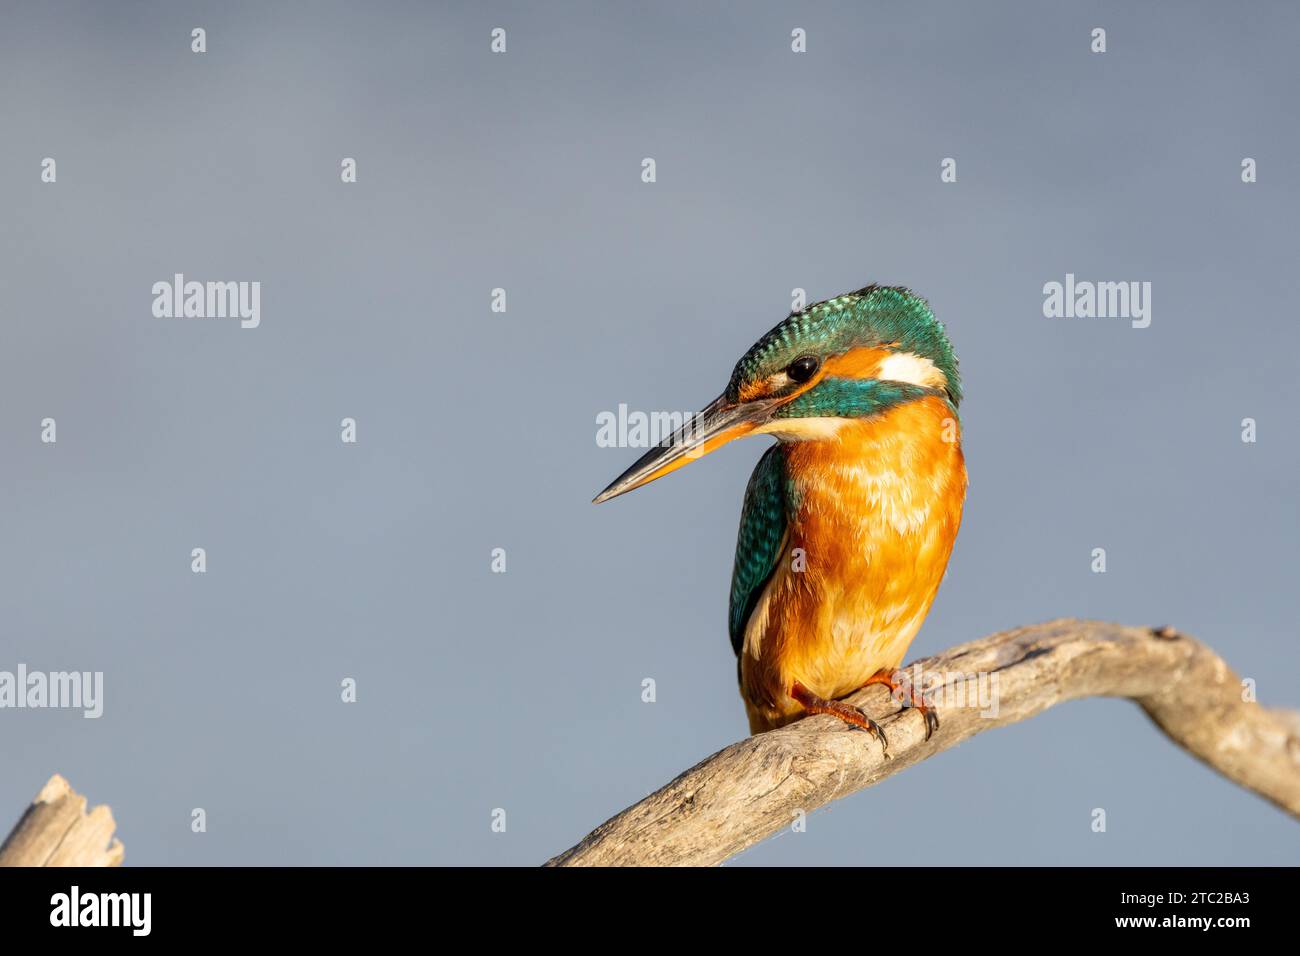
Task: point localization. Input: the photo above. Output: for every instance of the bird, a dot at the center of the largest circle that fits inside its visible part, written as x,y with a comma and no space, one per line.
850,518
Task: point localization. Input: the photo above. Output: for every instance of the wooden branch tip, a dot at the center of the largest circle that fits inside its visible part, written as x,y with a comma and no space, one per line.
56,830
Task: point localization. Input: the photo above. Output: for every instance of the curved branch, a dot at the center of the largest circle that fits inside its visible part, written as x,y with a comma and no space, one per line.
755,787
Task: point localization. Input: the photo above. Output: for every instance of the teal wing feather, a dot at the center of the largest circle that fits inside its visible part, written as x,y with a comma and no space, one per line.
758,545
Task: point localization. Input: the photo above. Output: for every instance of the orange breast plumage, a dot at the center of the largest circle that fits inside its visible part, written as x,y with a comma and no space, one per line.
874,508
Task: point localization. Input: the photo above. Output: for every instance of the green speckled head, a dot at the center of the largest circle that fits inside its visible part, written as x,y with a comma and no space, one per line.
873,317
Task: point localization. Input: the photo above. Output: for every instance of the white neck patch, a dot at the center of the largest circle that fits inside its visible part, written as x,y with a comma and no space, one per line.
912,369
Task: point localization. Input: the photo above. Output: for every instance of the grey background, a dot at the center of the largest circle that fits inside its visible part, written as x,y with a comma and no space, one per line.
477,430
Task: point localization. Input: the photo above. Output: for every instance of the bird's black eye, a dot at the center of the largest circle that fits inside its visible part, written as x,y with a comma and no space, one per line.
802,368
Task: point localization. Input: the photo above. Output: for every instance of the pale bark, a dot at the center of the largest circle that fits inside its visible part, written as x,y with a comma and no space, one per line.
56,830
757,786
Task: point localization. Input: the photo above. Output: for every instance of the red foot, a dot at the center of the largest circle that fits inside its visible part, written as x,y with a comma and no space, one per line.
910,698
849,714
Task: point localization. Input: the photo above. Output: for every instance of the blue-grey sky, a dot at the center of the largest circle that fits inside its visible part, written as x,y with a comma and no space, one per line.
477,430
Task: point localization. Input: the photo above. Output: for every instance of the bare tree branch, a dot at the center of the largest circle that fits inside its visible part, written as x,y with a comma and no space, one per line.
755,787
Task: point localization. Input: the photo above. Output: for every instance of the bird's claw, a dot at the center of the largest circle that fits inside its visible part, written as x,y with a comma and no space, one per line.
931,720
911,699
902,690
872,728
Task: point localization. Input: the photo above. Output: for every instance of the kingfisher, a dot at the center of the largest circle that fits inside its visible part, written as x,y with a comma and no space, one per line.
850,518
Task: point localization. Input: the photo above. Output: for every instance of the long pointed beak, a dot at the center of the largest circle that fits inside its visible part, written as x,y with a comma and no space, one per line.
707,430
